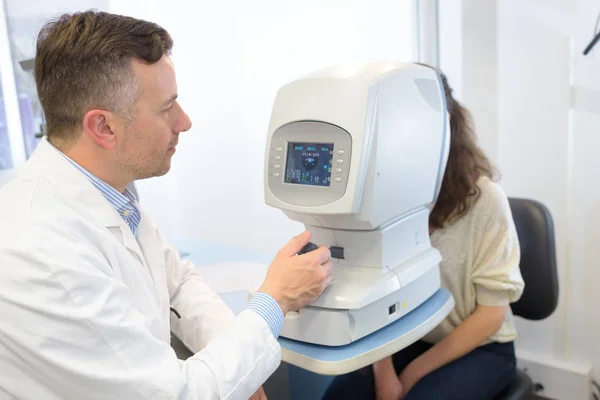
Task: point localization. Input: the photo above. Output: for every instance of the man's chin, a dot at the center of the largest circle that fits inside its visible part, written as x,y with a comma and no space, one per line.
155,174
162,172
159,170
166,167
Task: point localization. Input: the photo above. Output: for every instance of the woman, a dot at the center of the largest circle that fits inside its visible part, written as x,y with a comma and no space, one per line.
470,355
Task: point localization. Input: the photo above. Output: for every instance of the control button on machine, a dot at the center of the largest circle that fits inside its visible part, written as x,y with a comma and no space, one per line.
310,246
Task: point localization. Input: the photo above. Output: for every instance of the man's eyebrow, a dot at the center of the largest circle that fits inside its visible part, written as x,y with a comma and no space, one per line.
170,100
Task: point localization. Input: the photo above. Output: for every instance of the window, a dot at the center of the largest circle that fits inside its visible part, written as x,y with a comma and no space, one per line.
21,22
231,58
5,152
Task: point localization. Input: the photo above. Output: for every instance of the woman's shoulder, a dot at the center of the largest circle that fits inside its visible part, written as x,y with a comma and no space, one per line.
492,200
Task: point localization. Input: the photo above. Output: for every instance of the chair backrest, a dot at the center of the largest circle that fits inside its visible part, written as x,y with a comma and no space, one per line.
535,229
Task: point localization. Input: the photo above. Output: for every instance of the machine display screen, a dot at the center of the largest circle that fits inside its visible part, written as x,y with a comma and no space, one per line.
309,163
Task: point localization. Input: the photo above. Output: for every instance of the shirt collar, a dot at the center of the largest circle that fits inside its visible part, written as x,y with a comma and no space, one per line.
124,203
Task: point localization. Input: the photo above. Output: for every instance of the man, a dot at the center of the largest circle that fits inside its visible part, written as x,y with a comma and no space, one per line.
89,288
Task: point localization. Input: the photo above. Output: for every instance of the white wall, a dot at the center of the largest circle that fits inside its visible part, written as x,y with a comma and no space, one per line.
584,213
539,118
533,103
231,57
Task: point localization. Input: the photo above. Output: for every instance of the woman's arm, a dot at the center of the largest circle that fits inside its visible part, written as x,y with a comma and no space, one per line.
387,383
497,282
483,323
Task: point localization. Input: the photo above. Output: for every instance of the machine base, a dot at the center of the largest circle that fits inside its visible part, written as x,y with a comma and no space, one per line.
338,327
385,342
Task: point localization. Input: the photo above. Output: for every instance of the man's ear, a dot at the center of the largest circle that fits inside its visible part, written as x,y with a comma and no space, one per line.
100,126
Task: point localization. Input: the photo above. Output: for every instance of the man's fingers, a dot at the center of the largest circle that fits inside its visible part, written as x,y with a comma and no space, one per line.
328,267
324,254
296,244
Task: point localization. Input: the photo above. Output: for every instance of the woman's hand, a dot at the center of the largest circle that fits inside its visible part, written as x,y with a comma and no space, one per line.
387,384
484,322
259,395
409,377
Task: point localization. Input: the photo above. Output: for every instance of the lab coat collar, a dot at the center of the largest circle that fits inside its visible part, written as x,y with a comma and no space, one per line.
69,181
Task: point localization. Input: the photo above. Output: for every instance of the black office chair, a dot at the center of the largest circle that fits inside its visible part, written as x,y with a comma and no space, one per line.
535,229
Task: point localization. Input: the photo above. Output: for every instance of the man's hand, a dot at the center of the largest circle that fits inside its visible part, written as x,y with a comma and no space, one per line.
259,395
295,281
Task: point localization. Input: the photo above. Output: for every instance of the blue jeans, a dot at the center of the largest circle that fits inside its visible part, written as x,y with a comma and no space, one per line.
479,375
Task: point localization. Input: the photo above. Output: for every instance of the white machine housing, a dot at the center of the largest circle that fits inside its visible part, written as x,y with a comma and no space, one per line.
380,133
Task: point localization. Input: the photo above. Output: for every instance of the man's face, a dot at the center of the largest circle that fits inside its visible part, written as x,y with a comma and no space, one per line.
149,141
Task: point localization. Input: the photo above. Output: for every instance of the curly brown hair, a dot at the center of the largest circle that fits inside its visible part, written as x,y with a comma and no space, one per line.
466,163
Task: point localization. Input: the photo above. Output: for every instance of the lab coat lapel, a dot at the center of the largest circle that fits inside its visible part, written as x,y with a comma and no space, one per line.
123,233
83,196
152,250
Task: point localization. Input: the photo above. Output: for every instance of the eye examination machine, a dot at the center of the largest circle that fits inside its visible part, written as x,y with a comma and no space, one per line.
357,154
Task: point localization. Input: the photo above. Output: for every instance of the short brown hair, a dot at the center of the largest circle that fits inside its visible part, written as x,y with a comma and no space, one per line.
466,163
82,62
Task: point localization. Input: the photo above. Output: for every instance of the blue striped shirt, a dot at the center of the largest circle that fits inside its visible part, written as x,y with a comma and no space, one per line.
124,202
263,304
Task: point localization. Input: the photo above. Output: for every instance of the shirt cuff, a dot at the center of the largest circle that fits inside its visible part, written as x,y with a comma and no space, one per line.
265,306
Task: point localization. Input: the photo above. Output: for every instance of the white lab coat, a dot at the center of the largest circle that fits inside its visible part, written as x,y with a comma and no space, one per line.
84,306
